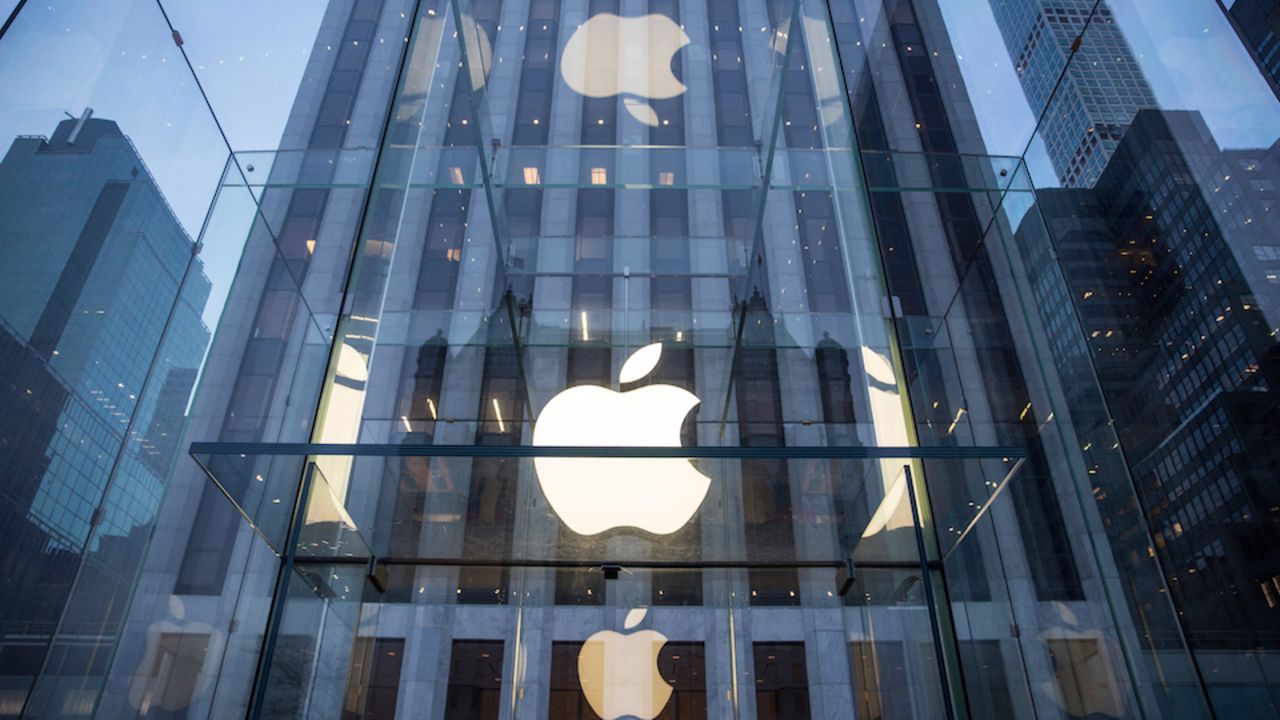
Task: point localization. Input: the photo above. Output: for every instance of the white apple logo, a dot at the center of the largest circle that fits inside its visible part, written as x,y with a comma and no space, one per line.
619,673
630,56
594,494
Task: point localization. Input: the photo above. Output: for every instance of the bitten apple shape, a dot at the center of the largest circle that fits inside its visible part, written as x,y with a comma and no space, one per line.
594,494
619,672
629,56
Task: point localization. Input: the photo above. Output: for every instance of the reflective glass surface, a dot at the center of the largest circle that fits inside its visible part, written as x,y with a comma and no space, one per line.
639,358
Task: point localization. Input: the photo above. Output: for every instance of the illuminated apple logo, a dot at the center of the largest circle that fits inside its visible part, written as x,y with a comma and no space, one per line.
629,56
619,672
594,494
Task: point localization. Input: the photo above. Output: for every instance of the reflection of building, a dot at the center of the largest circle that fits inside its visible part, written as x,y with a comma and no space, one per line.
1258,24
1085,117
91,262
1171,262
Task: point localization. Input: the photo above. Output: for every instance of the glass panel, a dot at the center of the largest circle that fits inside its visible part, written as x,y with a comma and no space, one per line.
310,656
1159,219
111,161
730,335
280,355
283,228
559,596
252,58
989,369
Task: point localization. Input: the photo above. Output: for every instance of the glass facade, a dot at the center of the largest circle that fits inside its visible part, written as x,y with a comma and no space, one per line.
639,358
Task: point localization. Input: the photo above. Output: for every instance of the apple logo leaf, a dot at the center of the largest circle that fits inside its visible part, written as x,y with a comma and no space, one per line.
634,618
641,363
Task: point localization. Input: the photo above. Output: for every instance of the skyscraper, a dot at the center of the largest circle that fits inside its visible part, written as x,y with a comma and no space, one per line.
1083,87
1164,267
95,274
1258,24
1169,266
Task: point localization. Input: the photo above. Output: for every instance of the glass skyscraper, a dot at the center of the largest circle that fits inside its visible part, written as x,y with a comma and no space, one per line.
1090,91
1258,23
1172,213
90,271
638,359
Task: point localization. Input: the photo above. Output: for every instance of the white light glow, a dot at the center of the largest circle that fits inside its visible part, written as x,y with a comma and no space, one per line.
594,494
497,412
889,422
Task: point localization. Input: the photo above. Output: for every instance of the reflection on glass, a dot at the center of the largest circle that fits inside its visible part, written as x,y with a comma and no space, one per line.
778,226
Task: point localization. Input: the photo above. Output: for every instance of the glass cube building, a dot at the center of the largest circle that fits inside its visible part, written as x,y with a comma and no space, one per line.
875,359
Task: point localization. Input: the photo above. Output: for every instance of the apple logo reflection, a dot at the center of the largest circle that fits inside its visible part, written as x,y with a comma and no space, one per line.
619,671
629,56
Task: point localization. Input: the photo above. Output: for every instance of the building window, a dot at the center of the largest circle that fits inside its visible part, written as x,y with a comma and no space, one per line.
682,665
475,680
881,685
374,680
782,681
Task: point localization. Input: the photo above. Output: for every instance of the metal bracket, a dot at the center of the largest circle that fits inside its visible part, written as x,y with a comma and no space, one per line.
845,577
377,574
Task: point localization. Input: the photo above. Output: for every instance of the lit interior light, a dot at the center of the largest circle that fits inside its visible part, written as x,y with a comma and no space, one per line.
585,334
431,407
407,427
311,247
599,176
497,411
456,172
666,178
959,414
532,176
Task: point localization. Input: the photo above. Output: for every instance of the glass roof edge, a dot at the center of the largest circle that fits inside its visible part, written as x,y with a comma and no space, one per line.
198,449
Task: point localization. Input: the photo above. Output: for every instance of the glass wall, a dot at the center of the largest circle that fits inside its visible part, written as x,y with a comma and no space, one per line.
110,162
637,358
